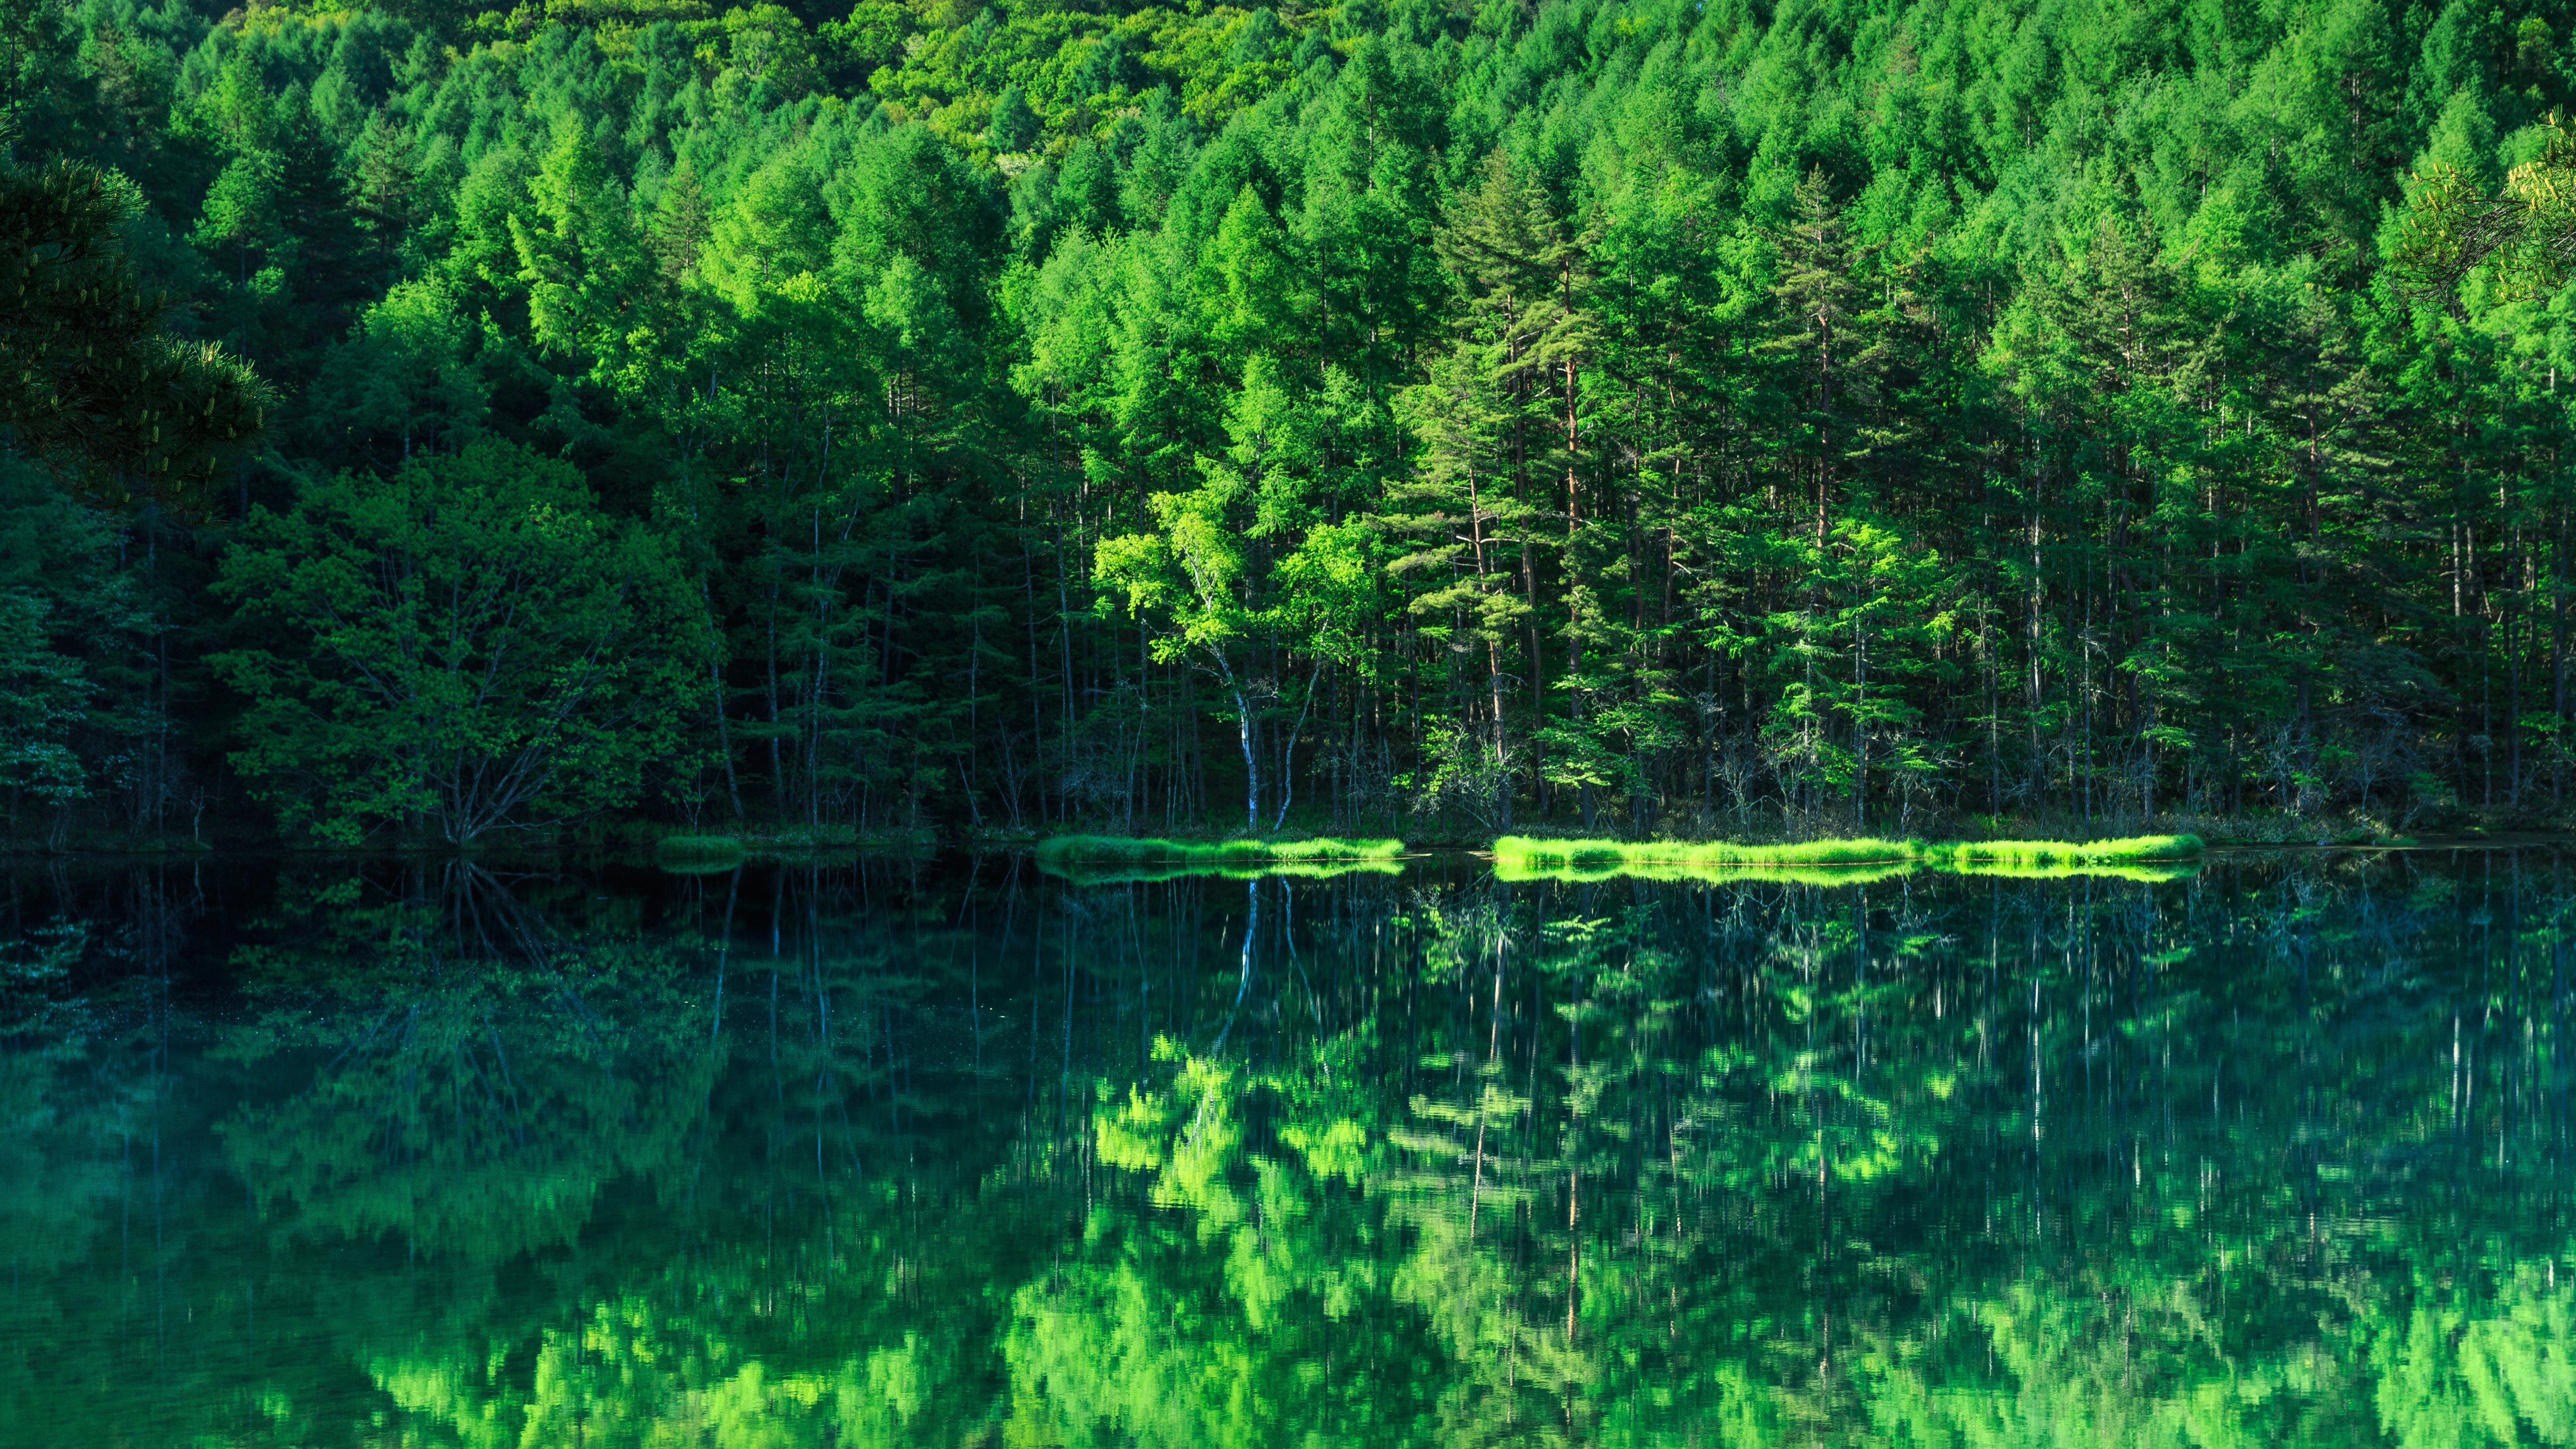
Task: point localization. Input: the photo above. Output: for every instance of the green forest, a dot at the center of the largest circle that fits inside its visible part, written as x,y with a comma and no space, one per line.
452,422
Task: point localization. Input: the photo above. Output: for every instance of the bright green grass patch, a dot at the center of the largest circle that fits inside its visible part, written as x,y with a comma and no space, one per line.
1687,873
1841,862
698,854
1521,851
1066,850
2149,872
2069,852
698,845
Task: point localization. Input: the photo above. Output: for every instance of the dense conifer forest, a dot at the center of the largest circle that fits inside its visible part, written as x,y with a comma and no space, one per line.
1697,417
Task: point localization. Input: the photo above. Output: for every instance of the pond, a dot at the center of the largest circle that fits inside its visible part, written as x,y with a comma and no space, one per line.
948,1150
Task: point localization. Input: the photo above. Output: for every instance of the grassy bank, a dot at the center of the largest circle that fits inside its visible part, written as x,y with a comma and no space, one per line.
2148,872
1070,850
1824,862
1713,873
2132,849
689,854
1524,852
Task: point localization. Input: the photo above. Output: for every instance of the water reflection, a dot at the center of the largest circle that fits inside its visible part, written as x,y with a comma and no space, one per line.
955,1152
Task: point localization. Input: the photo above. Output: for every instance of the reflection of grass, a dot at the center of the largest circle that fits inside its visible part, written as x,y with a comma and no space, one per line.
1084,873
1524,852
1703,874
2150,871
698,854
1068,850
1843,862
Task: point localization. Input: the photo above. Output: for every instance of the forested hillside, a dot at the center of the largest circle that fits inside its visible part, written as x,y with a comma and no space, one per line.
429,420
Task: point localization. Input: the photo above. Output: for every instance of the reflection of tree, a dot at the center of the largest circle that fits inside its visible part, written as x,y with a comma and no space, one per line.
632,1373
484,1074
1483,1193
1767,1166
778,1252
1235,1297
1996,1162
57,1158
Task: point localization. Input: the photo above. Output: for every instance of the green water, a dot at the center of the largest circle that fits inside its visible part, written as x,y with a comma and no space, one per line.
954,1152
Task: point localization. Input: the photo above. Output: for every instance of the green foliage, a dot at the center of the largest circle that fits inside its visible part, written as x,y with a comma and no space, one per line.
2523,232
2069,852
405,380
1637,418
68,630
465,647
43,695
92,376
1522,850
691,853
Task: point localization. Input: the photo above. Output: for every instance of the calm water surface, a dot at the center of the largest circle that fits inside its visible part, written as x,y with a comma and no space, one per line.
948,1151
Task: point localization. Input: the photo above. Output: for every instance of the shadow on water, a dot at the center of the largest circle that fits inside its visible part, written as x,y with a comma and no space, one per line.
958,1152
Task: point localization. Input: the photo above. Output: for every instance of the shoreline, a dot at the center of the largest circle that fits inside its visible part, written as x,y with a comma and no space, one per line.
770,847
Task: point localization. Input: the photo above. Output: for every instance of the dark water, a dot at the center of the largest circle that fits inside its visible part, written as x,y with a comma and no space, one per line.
950,1152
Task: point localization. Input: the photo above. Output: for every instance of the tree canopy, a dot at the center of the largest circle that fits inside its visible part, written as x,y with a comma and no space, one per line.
1642,415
